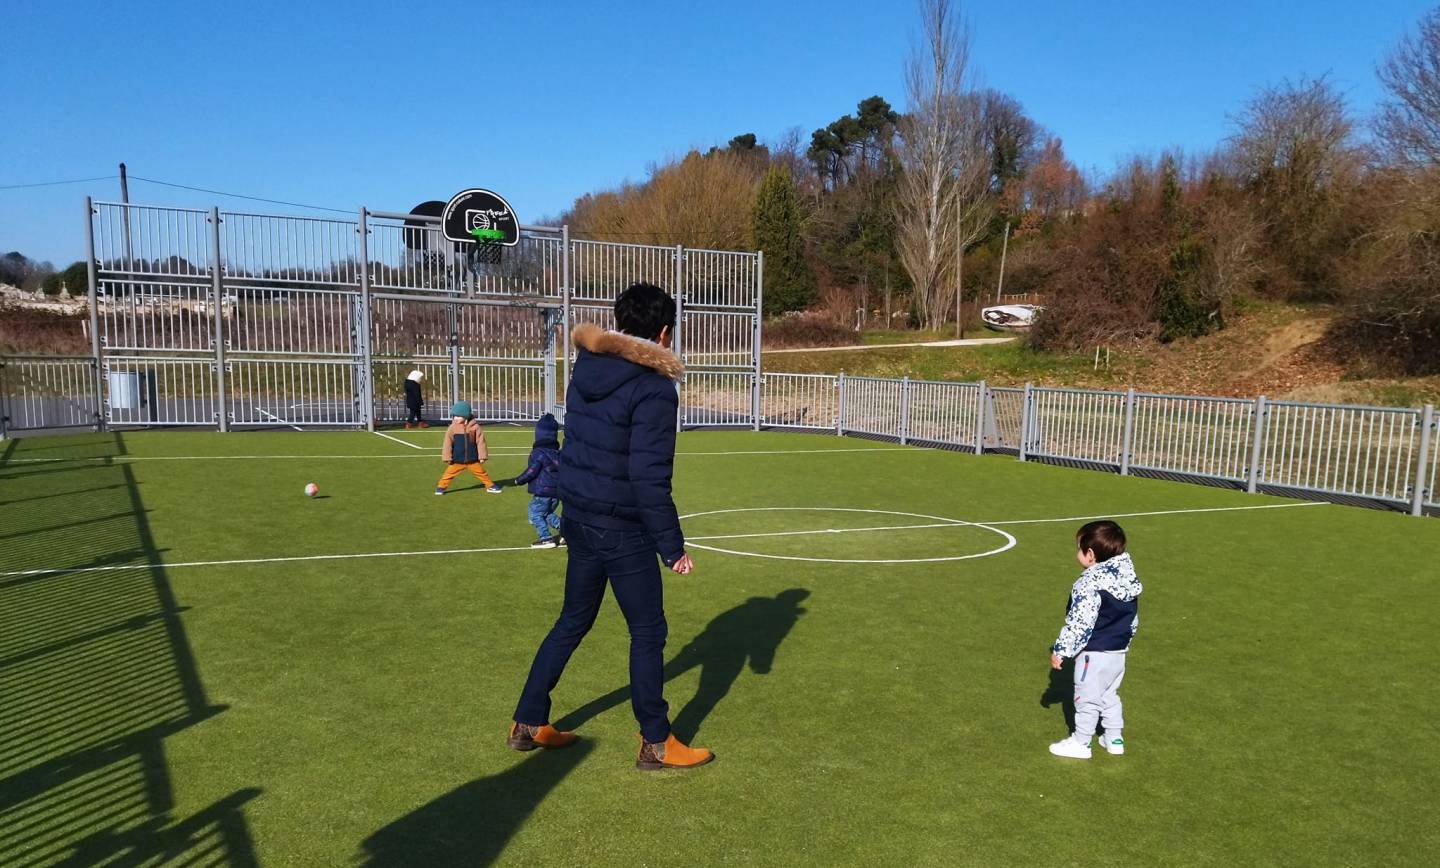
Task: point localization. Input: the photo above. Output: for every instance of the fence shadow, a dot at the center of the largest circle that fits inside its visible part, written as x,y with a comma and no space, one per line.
751,631
471,824
95,673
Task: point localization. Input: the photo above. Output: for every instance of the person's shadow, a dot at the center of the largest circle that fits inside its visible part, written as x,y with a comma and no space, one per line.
1061,691
471,824
751,631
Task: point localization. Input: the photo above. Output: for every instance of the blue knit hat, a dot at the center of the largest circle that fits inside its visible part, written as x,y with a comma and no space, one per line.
547,431
461,409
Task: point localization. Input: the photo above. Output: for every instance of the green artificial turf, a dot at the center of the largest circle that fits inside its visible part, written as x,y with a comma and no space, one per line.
1279,702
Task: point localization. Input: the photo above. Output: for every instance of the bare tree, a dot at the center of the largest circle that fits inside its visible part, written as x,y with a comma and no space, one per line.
1295,154
1408,124
945,167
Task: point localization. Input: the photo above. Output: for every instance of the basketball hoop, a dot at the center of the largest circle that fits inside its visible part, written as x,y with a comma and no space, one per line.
483,222
487,247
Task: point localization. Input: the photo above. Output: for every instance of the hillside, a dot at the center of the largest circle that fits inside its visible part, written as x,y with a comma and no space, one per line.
1271,349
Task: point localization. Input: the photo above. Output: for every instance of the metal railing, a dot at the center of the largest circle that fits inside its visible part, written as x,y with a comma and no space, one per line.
1378,454
48,392
805,401
717,399
226,317
220,318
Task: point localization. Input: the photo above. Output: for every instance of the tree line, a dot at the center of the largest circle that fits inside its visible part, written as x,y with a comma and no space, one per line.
1305,200
19,270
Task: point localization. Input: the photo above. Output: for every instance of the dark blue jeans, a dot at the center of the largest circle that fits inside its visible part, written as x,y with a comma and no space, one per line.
627,560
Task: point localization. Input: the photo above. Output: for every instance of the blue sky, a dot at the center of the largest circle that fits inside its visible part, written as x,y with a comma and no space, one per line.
387,104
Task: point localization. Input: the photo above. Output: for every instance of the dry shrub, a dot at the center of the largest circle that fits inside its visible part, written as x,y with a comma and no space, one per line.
24,330
1393,280
806,330
699,201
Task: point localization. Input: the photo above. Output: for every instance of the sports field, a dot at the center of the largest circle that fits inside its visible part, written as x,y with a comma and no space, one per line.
199,665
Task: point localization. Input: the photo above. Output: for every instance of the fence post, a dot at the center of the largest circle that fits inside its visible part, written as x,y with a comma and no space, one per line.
677,334
363,333
1025,424
981,404
453,311
1417,494
217,320
840,415
549,324
1129,442
566,277
904,410
757,381
1252,483
96,349
4,399
756,334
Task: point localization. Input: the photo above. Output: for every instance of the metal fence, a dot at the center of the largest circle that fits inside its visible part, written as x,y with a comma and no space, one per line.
1386,455
211,318
42,392
227,318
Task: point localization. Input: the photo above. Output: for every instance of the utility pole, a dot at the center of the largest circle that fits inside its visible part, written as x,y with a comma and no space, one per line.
1004,247
125,214
959,269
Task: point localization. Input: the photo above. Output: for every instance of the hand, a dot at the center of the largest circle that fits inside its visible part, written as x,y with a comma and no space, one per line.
683,566
1056,662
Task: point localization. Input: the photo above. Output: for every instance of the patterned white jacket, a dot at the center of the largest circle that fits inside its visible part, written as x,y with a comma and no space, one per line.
1104,610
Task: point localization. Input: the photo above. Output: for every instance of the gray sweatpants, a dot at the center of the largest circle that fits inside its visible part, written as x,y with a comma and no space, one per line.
1097,693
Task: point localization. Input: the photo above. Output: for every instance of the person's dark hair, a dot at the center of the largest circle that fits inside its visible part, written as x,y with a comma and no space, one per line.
1104,538
643,310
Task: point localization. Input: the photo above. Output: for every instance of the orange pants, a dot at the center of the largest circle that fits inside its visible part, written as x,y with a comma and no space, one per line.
455,470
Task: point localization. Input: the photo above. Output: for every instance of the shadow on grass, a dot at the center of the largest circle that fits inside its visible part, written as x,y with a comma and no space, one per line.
95,673
471,824
751,631
1061,691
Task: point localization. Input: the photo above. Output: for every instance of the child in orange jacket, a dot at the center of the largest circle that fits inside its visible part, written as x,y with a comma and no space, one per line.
464,449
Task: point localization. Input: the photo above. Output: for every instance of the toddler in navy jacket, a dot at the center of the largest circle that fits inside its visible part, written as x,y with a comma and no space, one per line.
1102,617
542,474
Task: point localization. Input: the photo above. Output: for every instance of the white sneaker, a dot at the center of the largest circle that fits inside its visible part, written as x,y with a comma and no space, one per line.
1113,746
1069,747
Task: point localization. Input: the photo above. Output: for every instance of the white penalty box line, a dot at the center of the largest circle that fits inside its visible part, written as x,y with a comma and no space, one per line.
468,551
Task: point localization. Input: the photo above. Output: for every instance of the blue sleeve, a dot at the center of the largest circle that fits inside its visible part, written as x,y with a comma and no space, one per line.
652,462
532,470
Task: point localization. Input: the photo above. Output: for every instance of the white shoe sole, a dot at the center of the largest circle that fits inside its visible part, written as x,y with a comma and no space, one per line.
1079,756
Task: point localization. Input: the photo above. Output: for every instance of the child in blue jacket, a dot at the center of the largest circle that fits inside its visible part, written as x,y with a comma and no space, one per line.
542,473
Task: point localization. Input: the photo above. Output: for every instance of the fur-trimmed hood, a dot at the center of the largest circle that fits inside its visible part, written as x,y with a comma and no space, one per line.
649,354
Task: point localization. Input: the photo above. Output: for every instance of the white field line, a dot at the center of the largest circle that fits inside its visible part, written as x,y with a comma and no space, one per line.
827,530
280,560
430,453
278,419
397,440
434,552
1159,512
963,523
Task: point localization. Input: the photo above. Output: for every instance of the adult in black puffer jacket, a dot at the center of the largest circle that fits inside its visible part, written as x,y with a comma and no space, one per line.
615,467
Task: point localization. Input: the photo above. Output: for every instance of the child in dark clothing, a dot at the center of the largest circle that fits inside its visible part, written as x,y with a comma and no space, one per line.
415,400
541,473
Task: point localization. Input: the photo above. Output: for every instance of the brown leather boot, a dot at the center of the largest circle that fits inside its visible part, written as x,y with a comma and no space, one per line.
671,753
524,736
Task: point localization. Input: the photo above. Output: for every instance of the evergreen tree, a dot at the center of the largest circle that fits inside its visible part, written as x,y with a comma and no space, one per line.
776,229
